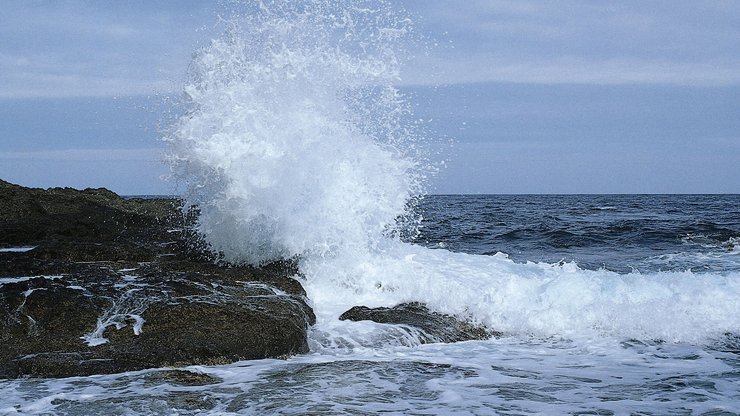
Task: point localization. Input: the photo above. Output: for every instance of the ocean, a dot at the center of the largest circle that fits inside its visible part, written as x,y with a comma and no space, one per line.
295,142
608,304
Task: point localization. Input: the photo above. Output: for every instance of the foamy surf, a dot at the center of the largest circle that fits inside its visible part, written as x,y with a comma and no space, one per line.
532,299
294,141
297,144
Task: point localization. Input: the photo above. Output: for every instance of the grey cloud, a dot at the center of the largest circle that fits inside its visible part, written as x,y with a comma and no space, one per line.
86,155
580,41
75,48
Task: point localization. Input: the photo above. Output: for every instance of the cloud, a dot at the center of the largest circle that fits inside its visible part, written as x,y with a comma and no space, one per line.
121,31
11,60
74,48
79,48
582,42
48,85
72,85
570,70
86,155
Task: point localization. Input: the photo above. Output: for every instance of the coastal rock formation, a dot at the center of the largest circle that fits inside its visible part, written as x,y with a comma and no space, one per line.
435,326
94,283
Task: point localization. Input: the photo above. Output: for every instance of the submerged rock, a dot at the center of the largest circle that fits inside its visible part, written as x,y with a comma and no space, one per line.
182,378
434,326
93,283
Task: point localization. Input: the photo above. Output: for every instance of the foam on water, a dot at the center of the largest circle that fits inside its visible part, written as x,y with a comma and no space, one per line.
21,249
471,378
124,310
297,143
538,299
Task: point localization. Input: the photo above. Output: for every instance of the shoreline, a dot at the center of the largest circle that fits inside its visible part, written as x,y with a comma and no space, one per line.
133,287
95,283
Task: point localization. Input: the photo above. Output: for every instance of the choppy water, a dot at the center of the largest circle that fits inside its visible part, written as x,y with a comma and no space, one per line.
295,142
579,367
623,233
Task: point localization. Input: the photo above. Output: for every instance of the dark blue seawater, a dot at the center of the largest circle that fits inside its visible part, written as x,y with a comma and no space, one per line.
589,364
622,233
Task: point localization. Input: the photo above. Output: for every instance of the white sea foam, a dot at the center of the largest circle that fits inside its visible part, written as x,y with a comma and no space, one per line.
733,245
296,143
288,151
530,299
21,249
471,378
126,309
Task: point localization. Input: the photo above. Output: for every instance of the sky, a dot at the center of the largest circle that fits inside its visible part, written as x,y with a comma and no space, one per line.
520,96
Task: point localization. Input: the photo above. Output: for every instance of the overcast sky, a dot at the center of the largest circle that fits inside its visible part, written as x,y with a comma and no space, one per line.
537,96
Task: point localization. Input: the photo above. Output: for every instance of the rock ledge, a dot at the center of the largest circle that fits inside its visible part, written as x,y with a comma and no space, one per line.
435,326
93,283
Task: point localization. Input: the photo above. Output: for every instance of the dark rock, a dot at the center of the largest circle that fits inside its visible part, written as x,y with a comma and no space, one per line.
435,326
181,378
92,215
125,284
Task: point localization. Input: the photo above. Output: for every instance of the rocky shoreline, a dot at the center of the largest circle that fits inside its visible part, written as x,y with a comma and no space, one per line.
93,283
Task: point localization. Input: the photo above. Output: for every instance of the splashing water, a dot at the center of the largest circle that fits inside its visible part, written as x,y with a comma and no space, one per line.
295,142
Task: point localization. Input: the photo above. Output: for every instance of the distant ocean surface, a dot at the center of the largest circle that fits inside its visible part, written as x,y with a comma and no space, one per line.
622,304
623,233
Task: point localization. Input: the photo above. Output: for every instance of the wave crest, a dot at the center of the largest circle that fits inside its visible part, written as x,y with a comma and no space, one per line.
295,140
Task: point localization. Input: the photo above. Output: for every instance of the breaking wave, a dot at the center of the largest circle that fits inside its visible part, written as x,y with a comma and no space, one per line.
297,143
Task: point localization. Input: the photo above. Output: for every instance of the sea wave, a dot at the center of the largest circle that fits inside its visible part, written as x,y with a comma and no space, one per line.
531,299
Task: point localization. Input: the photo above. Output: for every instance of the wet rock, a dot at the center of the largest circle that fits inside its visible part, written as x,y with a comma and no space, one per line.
107,284
72,325
182,378
435,326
